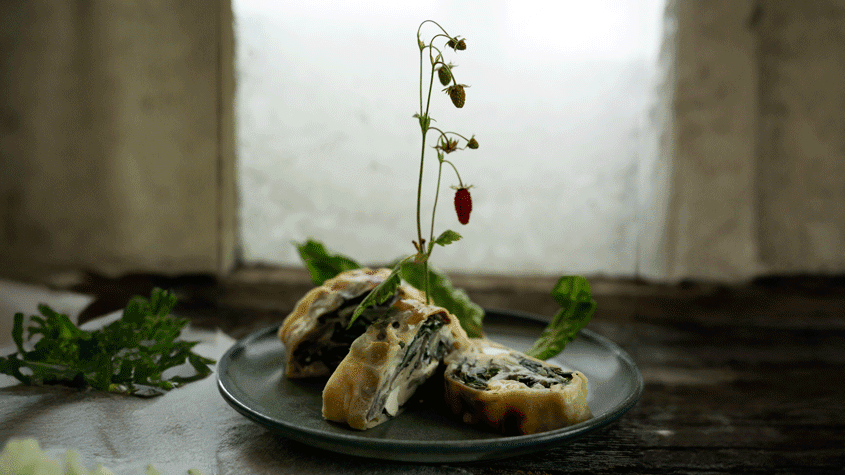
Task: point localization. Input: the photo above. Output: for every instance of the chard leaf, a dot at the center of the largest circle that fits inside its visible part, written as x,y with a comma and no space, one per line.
444,294
577,307
380,294
320,263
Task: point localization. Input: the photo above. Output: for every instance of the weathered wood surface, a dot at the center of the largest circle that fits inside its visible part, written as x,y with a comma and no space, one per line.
738,379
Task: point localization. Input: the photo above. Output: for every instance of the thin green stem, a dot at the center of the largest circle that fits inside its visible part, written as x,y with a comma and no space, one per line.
460,183
422,154
434,210
421,78
453,133
419,194
430,86
438,25
425,269
422,160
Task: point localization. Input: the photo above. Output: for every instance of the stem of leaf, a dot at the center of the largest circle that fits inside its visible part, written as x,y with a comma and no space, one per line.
438,25
460,183
422,162
448,132
425,269
434,210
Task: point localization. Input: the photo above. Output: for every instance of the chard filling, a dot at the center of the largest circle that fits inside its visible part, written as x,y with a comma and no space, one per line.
331,342
419,359
532,374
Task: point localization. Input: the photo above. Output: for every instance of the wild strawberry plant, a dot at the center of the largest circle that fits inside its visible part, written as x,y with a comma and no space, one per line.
414,268
572,292
447,141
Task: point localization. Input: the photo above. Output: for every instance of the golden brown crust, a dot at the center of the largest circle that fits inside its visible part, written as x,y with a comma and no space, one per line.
302,324
352,393
361,279
509,406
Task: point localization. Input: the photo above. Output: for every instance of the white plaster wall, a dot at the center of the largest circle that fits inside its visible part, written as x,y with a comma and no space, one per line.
559,100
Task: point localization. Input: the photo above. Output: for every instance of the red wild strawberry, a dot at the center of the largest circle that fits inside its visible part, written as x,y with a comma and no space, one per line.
463,204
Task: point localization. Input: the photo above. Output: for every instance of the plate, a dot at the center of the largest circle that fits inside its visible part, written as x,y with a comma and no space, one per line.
251,379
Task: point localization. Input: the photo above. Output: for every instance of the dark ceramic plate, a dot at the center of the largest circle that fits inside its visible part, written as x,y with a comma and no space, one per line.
251,378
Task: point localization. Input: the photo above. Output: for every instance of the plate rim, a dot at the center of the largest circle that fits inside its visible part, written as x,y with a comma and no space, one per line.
508,444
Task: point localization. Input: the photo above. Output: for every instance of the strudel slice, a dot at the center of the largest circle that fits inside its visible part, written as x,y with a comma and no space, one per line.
487,383
315,335
389,362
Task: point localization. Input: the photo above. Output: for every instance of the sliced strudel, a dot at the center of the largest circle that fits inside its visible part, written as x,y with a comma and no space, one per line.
315,335
511,392
389,362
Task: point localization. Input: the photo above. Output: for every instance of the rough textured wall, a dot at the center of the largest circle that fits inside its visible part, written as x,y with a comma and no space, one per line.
758,170
655,170
109,129
801,154
711,213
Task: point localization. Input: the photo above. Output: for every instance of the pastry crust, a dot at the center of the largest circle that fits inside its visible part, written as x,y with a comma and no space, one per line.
317,324
511,392
386,364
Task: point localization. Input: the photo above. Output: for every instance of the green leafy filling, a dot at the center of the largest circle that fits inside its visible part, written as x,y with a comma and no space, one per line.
128,356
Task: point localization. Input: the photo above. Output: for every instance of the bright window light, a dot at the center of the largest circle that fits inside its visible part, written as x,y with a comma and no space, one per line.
559,100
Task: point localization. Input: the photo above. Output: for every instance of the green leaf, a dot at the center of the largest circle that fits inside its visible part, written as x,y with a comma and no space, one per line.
447,237
380,294
320,263
577,307
444,294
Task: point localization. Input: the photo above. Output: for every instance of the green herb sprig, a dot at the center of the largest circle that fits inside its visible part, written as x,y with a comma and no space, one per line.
128,356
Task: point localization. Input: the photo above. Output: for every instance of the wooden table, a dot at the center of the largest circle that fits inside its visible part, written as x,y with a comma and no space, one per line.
738,379
745,379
